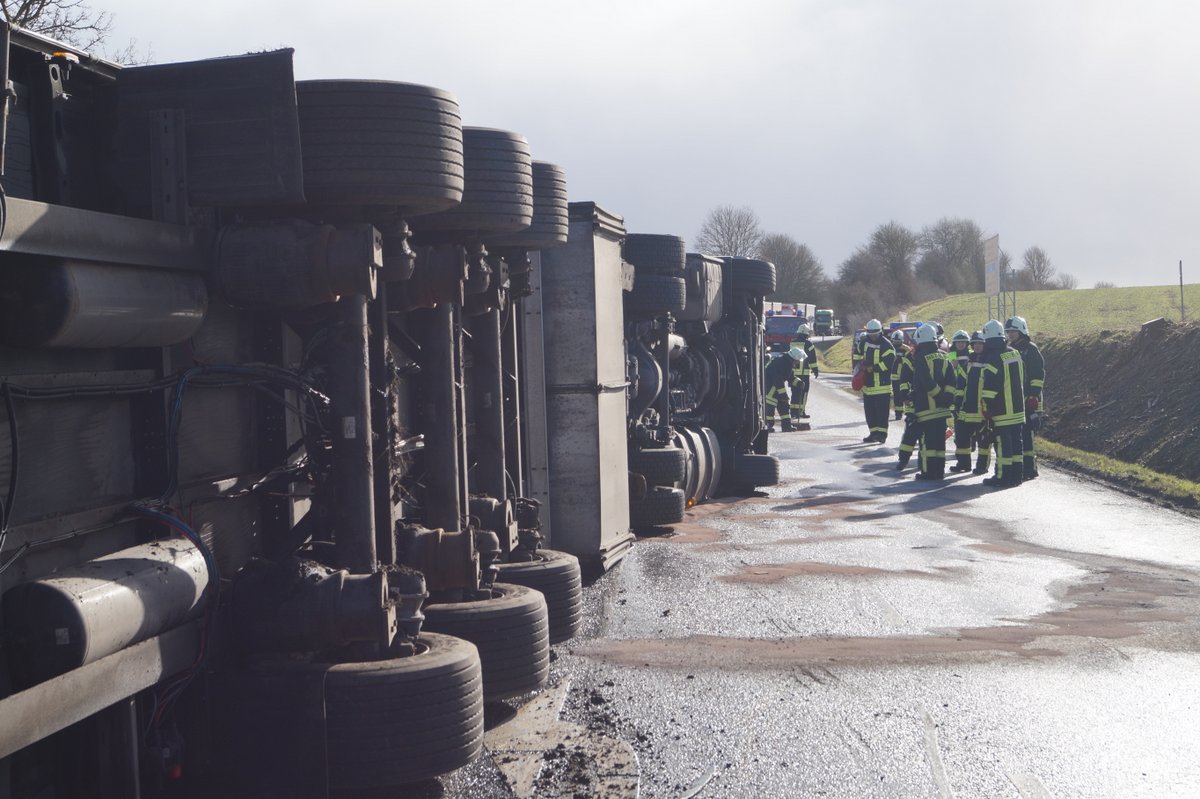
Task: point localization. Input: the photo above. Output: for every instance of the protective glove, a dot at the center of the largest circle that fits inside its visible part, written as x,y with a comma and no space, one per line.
1031,404
816,372
910,418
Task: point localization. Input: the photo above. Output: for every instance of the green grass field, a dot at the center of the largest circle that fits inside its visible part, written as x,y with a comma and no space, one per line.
1049,313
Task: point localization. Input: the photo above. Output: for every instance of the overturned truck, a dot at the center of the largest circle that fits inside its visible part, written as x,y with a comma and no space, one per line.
315,402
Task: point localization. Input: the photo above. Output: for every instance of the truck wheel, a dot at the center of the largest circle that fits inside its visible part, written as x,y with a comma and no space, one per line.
498,190
380,143
549,225
401,720
657,254
756,470
660,467
656,294
511,630
659,507
751,276
558,577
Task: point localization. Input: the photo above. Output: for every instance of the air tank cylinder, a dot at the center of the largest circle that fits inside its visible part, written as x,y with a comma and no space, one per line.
83,613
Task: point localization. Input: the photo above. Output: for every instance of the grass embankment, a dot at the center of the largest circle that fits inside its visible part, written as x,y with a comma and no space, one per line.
1049,313
1139,479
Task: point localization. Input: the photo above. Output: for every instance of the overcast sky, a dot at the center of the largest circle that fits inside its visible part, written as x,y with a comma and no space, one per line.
1072,124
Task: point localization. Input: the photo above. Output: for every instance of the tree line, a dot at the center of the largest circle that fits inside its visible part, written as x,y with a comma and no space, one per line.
894,268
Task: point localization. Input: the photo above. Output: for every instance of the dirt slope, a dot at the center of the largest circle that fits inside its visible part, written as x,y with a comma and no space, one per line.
1131,395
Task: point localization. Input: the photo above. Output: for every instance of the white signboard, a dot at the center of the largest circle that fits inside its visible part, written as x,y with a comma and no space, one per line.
991,266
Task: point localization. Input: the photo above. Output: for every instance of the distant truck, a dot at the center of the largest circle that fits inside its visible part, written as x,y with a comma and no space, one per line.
783,319
780,330
824,324
804,310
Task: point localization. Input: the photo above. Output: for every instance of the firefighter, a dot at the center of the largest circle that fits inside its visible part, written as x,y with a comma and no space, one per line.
778,377
878,359
856,350
1035,379
984,437
903,374
932,399
942,344
964,430
1004,404
901,348
800,377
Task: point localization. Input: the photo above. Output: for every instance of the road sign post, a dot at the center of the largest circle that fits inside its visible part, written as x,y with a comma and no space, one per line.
993,282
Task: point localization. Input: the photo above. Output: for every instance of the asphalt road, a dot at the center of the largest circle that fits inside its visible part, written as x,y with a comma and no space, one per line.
857,633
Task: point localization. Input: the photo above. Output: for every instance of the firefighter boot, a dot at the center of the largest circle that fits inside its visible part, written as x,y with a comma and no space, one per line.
785,424
963,464
1030,467
982,463
935,469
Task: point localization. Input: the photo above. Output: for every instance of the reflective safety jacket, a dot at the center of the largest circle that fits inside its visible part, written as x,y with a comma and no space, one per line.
970,402
878,360
803,368
779,371
933,384
959,361
1003,384
1035,368
856,352
904,377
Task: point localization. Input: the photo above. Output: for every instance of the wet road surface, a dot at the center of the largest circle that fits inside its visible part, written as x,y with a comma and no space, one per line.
858,633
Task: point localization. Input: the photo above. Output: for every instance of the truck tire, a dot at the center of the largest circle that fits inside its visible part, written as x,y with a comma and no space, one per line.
380,143
654,253
756,470
660,506
401,720
511,630
751,276
655,294
660,467
557,575
498,189
549,225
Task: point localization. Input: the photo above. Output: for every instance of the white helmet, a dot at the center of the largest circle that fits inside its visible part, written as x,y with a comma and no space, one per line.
874,326
1018,324
961,335
797,353
804,330
993,329
898,336
926,334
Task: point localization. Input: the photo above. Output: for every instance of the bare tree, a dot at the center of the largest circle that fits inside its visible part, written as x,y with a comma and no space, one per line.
71,21
952,255
1104,284
75,23
1065,281
799,275
895,247
1038,267
730,230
